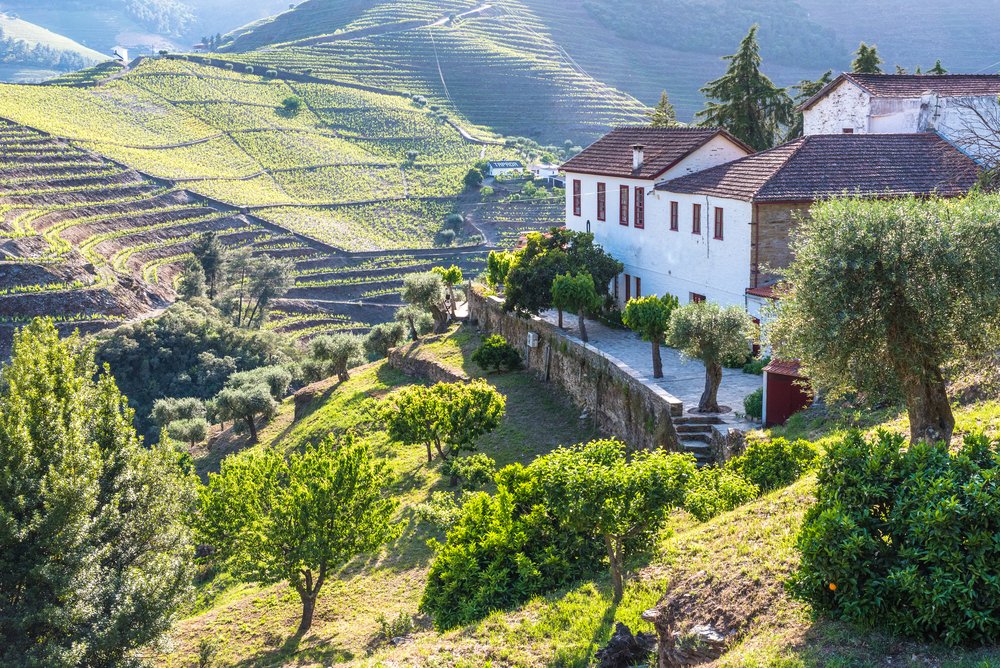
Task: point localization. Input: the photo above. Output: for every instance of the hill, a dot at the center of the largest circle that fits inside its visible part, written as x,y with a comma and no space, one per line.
30,52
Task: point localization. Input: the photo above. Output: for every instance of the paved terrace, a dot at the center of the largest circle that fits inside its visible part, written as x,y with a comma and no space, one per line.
682,378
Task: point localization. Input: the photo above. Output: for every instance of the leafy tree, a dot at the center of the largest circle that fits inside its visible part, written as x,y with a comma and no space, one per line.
650,318
190,430
167,410
417,320
451,417
938,68
250,396
211,255
804,90
744,101
252,283
663,115
498,264
883,294
451,276
382,338
866,60
338,351
707,332
427,291
192,281
623,502
473,179
471,471
576,293
95,553
298,518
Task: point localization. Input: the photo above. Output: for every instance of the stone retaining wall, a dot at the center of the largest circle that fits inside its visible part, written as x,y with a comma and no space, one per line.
619,403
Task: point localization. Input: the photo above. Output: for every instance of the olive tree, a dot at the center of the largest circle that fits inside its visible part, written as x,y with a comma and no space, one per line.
576,293
882,294
298,518
251,395
594,488
382,338
705,331
650,318
451,276
427,291
450,417
338,352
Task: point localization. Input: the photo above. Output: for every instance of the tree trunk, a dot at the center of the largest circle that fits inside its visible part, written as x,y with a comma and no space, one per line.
709,402
413,329
308,608
309,592
560,312
343,375
252,426
430,455
583,326
451,300
615,560
657,360
927,406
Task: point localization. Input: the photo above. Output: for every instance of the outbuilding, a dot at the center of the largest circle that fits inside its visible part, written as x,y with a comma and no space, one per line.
785,392
500,167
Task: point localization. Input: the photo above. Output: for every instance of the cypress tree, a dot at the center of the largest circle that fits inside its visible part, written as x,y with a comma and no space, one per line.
938,68
744,101
95,555
866,60
663,115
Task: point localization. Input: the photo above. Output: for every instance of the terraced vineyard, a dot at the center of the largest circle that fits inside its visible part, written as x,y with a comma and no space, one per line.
94,243
494,64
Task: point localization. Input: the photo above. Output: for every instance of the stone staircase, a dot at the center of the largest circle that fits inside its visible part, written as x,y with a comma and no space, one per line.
695,435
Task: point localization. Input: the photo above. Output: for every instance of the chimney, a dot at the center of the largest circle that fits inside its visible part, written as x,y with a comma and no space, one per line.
637,157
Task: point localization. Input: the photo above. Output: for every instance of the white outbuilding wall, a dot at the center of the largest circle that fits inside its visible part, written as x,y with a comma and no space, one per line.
846,107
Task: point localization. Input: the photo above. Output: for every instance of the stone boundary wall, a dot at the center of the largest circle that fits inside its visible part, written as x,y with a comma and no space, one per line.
618,402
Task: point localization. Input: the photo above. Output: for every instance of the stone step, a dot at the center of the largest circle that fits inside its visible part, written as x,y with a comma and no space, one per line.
698,419
701,437
696,446
694,428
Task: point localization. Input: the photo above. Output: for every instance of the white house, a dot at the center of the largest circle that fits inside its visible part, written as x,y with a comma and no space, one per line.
963,108
610,192
500,167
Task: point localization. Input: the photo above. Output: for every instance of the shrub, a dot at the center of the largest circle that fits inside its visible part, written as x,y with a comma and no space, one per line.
471,471
756,365
495,354
715,490
388,629
382,338
454,221
486,192
773,463
440,511
906,539
753,404
292,105
473,179
445,238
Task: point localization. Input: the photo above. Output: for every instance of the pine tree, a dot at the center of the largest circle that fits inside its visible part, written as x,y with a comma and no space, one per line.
937,69
866,60
744,101
95,555
804,90
663,115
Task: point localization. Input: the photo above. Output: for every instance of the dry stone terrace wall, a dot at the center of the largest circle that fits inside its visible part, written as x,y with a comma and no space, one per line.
620,404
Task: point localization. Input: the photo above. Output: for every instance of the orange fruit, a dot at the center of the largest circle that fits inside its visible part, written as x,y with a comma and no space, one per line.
833,587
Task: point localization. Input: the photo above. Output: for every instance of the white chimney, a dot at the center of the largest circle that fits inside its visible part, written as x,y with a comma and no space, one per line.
637,157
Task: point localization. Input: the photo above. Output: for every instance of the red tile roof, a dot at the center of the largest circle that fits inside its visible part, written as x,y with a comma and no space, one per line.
766,291
821,166
785,368
611,155
915,85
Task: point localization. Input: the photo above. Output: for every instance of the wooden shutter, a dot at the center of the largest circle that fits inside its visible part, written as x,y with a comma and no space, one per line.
640,207
577,197
696,219
718,222
628,288
623,205
674,206
638,287
696,298
602,202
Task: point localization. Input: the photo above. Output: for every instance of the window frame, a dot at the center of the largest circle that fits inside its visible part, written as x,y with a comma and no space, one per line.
602,201
577,197
675,215
696,218
720,224
623,205
640,208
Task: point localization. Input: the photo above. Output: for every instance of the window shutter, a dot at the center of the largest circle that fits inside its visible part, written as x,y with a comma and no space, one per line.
577,197
628,288
623,205
674,215
640,207
638,287
718,222
602,202
696,219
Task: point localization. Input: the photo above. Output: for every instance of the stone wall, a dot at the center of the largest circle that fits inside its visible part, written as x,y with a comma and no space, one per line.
770,236
618,402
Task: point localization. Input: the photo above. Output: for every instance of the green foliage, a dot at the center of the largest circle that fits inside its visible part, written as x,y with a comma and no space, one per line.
428,292
486,192
495,354
253,282
188,430
191,283
938,68
753,404
441,510
95,553
866,60
576,293
756,365
663,114
189,351
297,519
745,102
448,416
470,471
292,105
399,627
772,463
931,266
473,179
250,396
415,319
498,264
650,318
169,409
804,90
713,490
382,338
336,353
905,539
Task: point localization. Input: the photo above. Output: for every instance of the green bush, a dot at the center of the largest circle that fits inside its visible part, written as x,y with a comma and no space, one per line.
715,490
753,404
471,471
756,365
495,354
906,539
773,463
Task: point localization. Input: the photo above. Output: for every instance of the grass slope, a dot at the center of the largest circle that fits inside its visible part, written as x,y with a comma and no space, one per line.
19,29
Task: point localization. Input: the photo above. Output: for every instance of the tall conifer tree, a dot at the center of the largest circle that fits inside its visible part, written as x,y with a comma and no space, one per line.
866,60
746,102
663,115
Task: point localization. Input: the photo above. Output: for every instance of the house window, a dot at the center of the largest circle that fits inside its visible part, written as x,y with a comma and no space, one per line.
718,222
696,298
696,219
602,202
577,197
638,287
640,204
848,131
623,205
628,288
674,206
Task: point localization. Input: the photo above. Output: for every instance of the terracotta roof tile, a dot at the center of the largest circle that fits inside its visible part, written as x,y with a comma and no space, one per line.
915,85
820,166
611,155
785,368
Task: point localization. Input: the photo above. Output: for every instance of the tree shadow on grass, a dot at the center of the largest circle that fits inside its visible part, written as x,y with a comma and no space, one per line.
291,653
